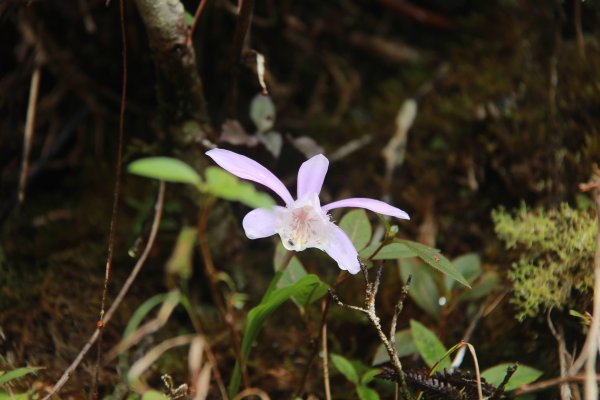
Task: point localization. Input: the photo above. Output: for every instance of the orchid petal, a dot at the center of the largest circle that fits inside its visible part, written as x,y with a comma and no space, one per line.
369,204
246,168
311,175
261,222
341,249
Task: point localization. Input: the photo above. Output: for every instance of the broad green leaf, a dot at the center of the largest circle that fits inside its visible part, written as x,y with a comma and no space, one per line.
423,289
469,265
17,373
433,257
153,395
523,375
366,393
430,347
343,365
258,315
165,169
390,251
221,183
262,112
358,228
292,274
405,346
369,375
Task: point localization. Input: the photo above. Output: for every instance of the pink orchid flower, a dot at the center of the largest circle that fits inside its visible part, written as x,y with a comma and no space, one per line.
302,223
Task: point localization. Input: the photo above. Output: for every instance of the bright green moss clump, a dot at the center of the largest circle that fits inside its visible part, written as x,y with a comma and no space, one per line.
556,262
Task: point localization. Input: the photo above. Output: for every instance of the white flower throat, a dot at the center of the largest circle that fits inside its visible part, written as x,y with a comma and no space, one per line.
304,224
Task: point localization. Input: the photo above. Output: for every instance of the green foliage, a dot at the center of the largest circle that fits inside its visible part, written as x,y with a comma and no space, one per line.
153,395
429,346
557,249
221,183
405,346
166,169
523,375
306,286
292,274
435,260
347,368
358,228
6,377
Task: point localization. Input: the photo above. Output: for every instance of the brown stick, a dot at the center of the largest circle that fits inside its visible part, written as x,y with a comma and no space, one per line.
242,25
211,275
325,356
196,17
28,134
115,205
158,209
539,386
591,386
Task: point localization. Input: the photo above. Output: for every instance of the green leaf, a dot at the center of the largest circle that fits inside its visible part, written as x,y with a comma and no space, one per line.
358,228
390,251
423,289
262,112
469,265
165,169
366,393
430,347
258,315
153,395
292,274
369,375
523,375
17,373
405,346
221,183
343,365
433,257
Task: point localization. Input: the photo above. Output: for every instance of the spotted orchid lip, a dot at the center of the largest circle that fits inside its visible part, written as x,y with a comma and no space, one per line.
302,223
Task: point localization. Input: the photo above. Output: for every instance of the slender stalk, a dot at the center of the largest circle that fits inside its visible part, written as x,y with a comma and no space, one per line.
158,209
34,89
325,357
116,195
591,385
211,275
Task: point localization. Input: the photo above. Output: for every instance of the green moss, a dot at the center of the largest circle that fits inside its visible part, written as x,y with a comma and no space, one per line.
556,256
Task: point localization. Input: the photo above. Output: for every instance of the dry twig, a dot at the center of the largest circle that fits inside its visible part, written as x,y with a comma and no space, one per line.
158,209
369,310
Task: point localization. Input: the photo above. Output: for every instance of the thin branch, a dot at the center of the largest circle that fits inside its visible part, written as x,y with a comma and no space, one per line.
115,205
591,386
543,385
158,209
196,17
242,26
325,356
369,310
28,134
211,275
